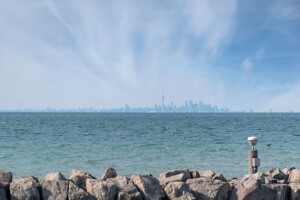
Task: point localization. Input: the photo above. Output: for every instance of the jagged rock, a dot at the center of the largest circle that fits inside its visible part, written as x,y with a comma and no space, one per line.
268,173
287,170
294,176
79,178
172,176
220,177
233,182
54,176
126,189
295,191
282,191
92,187
205,188
101,189
252,187
54,186
4,191
26,188
279,175
247,186
5,176
76,193
148,186
207,174
195,174
179,191
108,173
270,180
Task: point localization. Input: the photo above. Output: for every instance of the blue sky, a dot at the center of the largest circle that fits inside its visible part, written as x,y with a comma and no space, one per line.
103,54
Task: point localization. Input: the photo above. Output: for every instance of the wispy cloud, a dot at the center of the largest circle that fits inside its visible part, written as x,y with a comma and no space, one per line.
108,53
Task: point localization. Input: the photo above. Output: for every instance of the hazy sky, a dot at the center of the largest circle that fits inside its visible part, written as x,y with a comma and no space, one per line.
103,54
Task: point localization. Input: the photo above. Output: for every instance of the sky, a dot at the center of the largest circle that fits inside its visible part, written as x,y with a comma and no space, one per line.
234,54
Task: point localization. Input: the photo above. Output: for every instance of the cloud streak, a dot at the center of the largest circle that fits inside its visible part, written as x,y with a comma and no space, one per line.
107,54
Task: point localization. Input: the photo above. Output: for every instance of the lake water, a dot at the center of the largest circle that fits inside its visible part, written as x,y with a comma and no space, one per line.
39,143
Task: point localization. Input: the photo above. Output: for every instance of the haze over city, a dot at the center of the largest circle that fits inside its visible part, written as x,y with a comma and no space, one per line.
234,54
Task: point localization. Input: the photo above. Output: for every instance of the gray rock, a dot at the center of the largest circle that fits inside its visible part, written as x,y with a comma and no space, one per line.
179,191
251,187
295,191
26,188
92,187
129,193
294,176
5,176
125,188
108,173
4,191
247,186
148,186
220,177
270,180
279,175
79,178
282,191
207,174
268,173
54,176
76,193
174,176
195,174
54,187
233,182
100,189
206,189
287,170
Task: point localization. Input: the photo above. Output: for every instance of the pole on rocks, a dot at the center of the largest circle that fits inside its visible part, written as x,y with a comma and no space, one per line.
254,161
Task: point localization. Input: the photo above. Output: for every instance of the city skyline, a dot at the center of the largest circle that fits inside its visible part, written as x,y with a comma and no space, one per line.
241,55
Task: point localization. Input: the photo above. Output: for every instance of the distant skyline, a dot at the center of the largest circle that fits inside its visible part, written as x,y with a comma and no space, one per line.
234,54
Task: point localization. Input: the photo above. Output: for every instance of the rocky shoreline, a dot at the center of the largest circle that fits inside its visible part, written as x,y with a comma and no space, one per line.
183,184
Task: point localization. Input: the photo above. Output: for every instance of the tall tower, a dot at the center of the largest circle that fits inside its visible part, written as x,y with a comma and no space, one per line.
163,102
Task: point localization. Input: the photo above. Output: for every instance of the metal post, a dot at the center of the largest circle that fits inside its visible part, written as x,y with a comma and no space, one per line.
252,166
254,161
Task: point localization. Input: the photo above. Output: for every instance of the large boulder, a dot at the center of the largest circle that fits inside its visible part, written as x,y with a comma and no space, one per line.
281,191
102,190
252,187
179,191
294,176
148,186
26,188
125,188
279,175
79,178
212,175
206,189
4,191
287,170
54,186
172,176
54,176
207,173
295,191
5,176
77,193
108,173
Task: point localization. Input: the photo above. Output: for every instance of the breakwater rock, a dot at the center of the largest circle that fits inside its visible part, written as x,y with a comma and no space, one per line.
276,184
